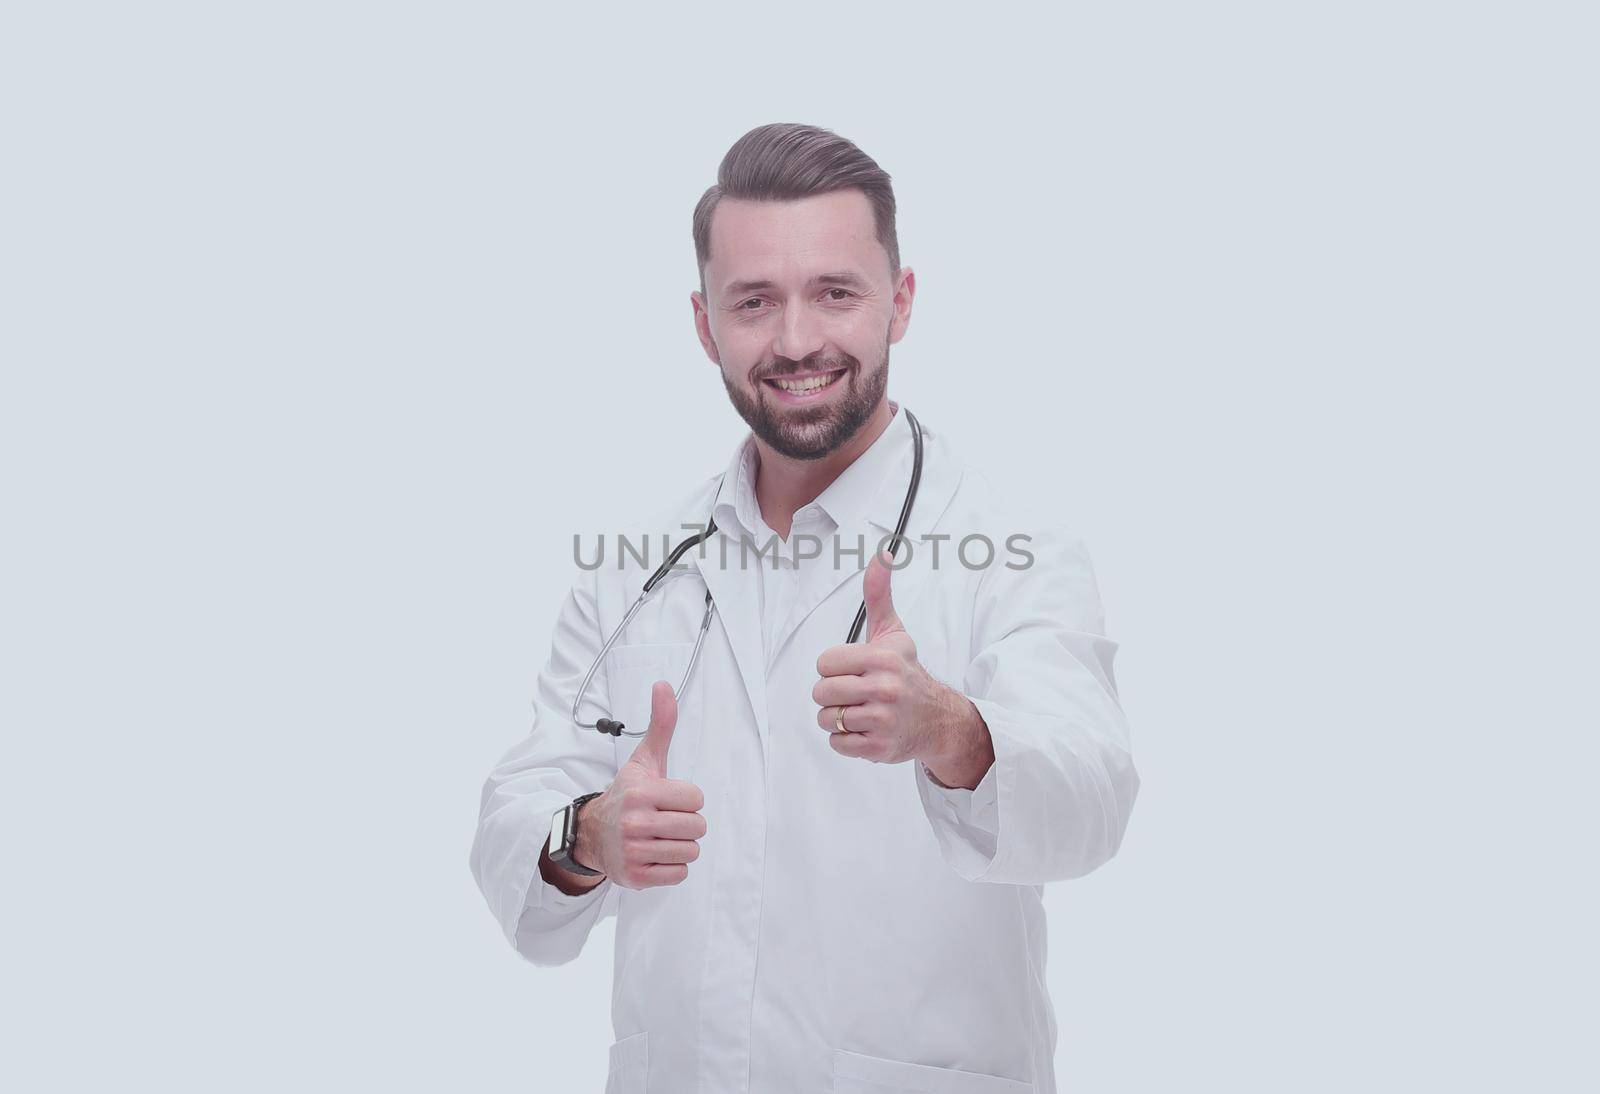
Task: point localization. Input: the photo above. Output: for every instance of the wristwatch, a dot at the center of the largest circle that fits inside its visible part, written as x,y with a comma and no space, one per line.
564,837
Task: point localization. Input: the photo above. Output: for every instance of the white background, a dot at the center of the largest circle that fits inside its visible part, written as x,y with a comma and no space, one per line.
324,326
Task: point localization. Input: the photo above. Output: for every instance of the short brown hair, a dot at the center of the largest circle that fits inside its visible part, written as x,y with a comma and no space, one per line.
786,161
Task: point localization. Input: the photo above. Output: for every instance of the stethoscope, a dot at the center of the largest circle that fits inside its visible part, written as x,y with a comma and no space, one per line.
616,728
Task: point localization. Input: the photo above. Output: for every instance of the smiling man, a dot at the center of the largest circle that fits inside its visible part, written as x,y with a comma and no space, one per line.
826,851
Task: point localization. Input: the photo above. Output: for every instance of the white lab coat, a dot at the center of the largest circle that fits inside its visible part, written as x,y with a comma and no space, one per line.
848,926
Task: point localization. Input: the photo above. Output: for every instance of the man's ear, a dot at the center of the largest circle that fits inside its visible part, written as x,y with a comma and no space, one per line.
702,327
905,288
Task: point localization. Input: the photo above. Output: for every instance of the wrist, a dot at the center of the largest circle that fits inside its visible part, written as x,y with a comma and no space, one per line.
961,751
565,859
586,844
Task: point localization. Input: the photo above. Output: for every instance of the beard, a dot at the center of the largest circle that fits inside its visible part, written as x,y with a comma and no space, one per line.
810,433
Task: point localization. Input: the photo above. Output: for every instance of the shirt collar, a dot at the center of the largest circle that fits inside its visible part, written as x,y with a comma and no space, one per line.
848,500
736,506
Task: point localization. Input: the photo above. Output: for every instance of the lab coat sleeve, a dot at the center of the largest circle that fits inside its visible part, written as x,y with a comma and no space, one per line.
1056,800
553,764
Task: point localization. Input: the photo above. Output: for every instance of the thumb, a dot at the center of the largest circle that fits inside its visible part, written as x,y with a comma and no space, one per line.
652,751
881,616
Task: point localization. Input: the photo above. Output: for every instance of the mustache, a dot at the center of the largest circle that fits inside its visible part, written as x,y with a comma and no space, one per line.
815,362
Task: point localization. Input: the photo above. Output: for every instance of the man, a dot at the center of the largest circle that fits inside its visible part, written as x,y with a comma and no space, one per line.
826,859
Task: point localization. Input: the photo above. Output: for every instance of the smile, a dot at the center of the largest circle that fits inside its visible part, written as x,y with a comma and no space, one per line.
805,387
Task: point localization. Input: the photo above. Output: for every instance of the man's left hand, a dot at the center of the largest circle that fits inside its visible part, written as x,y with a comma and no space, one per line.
894,710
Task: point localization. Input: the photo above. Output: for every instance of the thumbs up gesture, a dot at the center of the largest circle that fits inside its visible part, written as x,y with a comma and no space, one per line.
643,830
892,709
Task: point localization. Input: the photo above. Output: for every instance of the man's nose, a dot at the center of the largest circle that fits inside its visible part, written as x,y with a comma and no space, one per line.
799,335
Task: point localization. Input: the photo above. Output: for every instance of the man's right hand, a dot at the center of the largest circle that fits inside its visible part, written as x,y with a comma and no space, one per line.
643,830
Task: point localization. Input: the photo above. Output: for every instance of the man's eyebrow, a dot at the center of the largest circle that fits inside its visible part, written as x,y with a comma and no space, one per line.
747,286
842,277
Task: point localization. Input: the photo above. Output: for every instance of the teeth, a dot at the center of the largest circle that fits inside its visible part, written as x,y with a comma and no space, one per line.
811,383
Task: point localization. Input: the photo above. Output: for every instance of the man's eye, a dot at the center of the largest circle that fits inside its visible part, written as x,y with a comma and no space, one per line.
753,300
839,294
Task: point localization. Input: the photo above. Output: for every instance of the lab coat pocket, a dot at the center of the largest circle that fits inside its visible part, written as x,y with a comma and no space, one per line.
854,1073
631,672
629,1064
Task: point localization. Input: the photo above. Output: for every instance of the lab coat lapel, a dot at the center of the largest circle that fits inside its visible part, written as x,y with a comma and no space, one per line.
734,593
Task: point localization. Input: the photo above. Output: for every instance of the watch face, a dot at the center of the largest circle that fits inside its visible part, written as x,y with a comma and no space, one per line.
558,830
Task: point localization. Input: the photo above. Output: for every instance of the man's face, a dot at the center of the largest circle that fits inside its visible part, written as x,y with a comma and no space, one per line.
799,310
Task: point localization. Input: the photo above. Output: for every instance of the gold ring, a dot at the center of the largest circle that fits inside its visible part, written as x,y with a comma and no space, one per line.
838,721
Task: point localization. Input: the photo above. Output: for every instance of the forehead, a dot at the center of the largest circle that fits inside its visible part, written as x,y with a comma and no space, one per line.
792,240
